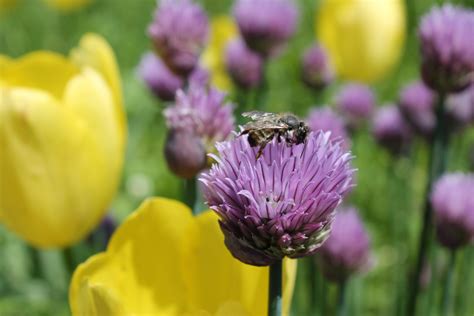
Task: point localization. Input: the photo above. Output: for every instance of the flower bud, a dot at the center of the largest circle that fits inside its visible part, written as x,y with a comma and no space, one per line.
453,203
179,33
460,109
417,103
244,66
159,79
266,25
356,102
317,71
447,52
390,129
184,153
347,250
326,120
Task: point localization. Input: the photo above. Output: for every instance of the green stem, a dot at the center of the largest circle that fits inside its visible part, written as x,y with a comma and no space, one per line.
274,289
448,285
69,261
35,262
190,193
341,299
437,165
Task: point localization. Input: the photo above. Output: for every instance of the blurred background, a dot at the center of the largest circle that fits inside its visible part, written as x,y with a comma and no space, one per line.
389,193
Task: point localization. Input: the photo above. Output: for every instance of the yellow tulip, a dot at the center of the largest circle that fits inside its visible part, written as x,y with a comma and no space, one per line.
67,5
223,30
164,261
62,141
364,38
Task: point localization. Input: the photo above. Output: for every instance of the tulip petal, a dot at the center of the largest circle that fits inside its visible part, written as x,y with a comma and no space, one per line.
94,51
213,276
364,38
55,177
41,70
90,98
140,264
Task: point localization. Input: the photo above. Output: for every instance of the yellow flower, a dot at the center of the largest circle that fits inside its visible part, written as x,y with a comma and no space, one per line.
364,38
164,261
67,5
62,140
223,29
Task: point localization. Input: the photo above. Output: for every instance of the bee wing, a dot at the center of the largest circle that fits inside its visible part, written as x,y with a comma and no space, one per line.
259,115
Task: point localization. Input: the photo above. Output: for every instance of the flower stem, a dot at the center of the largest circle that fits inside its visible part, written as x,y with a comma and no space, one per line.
35,262
437,165
190,193
341,299
69,261
274,290
448,285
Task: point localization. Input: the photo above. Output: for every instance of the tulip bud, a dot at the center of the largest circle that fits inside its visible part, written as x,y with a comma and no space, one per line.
184,153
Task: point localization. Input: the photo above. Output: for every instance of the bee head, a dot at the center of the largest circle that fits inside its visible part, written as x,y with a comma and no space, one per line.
301,132
291,121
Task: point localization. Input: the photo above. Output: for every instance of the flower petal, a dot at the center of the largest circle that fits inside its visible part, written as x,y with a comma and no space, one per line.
40,70
139,265
88,95
213,276
94,51
54,176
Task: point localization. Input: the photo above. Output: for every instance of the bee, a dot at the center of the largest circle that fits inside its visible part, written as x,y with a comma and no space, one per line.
265,126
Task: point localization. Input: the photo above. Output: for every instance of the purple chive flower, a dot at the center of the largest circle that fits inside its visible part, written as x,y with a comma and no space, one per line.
159,79
280,204
453,202
417,103
356,102
447,51
202,111
179,32
347,250
196,121
266,25
390,129
460,108
102,234
244,66
317,71
327,120
185,153
199,77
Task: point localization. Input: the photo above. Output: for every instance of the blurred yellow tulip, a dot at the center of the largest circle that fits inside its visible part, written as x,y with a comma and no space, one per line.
62,141
223,30
164,261
7,4
67,5
364,38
